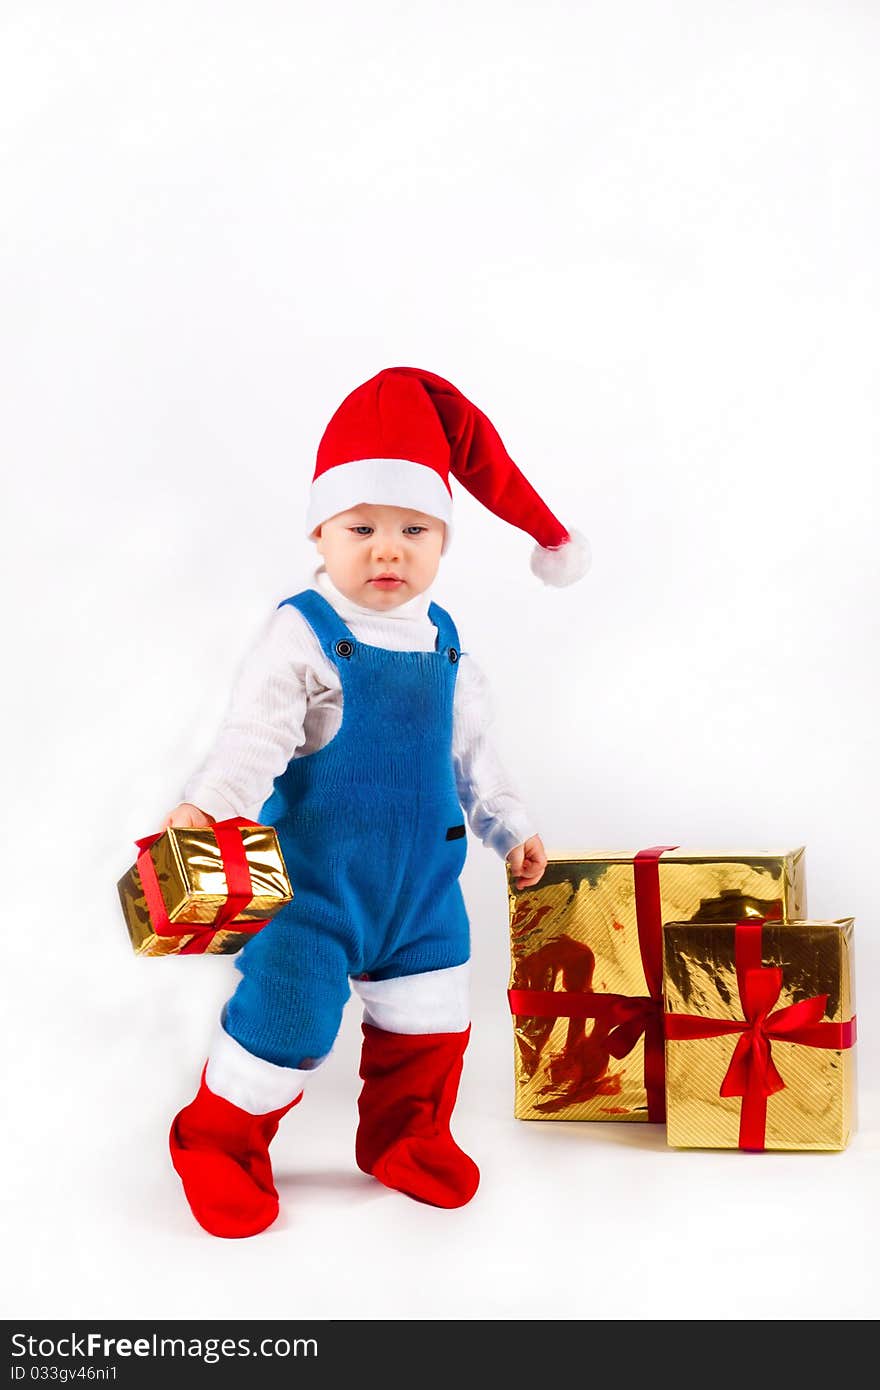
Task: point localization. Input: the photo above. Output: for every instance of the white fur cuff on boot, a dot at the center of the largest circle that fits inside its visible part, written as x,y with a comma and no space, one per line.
248,1081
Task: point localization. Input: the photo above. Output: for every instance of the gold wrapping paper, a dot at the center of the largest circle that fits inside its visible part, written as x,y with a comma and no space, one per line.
577,930
816,1108
192,881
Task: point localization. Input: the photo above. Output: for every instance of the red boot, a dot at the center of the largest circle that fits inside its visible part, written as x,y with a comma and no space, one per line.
403,1139
222,1156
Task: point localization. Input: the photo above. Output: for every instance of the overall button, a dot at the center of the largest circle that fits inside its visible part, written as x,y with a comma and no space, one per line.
344,648
453,655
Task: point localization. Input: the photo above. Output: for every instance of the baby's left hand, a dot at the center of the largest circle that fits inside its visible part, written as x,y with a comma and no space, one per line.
528,862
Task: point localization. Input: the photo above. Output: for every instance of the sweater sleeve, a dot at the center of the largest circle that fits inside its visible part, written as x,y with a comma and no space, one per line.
264,722
494,810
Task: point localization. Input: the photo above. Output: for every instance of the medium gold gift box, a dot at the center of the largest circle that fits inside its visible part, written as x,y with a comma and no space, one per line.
189,870
586,971
760,1031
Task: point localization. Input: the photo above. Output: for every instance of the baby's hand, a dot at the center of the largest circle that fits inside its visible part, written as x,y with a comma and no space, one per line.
187,817
528,862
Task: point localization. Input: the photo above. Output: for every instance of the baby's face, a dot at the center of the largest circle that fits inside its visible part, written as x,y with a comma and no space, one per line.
381,556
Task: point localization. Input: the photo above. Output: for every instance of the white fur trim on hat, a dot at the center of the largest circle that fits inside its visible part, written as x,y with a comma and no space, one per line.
564,564
382,482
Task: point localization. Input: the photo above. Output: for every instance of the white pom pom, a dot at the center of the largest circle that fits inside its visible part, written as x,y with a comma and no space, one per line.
565,564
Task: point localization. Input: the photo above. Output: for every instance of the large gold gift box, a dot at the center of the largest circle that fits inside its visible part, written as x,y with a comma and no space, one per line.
583,943
192,879
760,1027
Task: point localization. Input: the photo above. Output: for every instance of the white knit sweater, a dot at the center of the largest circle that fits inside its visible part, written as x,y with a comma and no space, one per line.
287,702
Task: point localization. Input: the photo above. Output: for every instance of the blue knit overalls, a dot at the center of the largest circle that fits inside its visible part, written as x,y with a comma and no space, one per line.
372,832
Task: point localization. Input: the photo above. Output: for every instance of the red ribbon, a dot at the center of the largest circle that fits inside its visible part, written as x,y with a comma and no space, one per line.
240,889
752,1073
629,1015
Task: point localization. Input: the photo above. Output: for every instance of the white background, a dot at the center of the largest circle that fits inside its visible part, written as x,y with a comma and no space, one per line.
643,239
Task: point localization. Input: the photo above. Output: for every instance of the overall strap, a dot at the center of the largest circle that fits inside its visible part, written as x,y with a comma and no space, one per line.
447,634
323,619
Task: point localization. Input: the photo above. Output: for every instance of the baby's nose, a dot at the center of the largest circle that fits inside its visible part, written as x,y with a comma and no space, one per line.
387,547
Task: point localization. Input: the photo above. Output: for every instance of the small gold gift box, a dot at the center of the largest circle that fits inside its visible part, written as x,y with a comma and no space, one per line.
231,874
586,972
760,1029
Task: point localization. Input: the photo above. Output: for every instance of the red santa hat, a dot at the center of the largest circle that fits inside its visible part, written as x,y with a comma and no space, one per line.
396,440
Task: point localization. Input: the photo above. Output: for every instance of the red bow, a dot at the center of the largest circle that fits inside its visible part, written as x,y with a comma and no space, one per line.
240,889
752,1073
629,1015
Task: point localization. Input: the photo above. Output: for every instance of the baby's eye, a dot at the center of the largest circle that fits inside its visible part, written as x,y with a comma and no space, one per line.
362,530
414,530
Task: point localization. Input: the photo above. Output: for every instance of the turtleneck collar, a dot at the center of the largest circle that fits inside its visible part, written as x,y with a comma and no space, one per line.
414,610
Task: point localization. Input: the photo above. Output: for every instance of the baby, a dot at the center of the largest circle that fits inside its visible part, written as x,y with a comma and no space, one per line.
358,728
